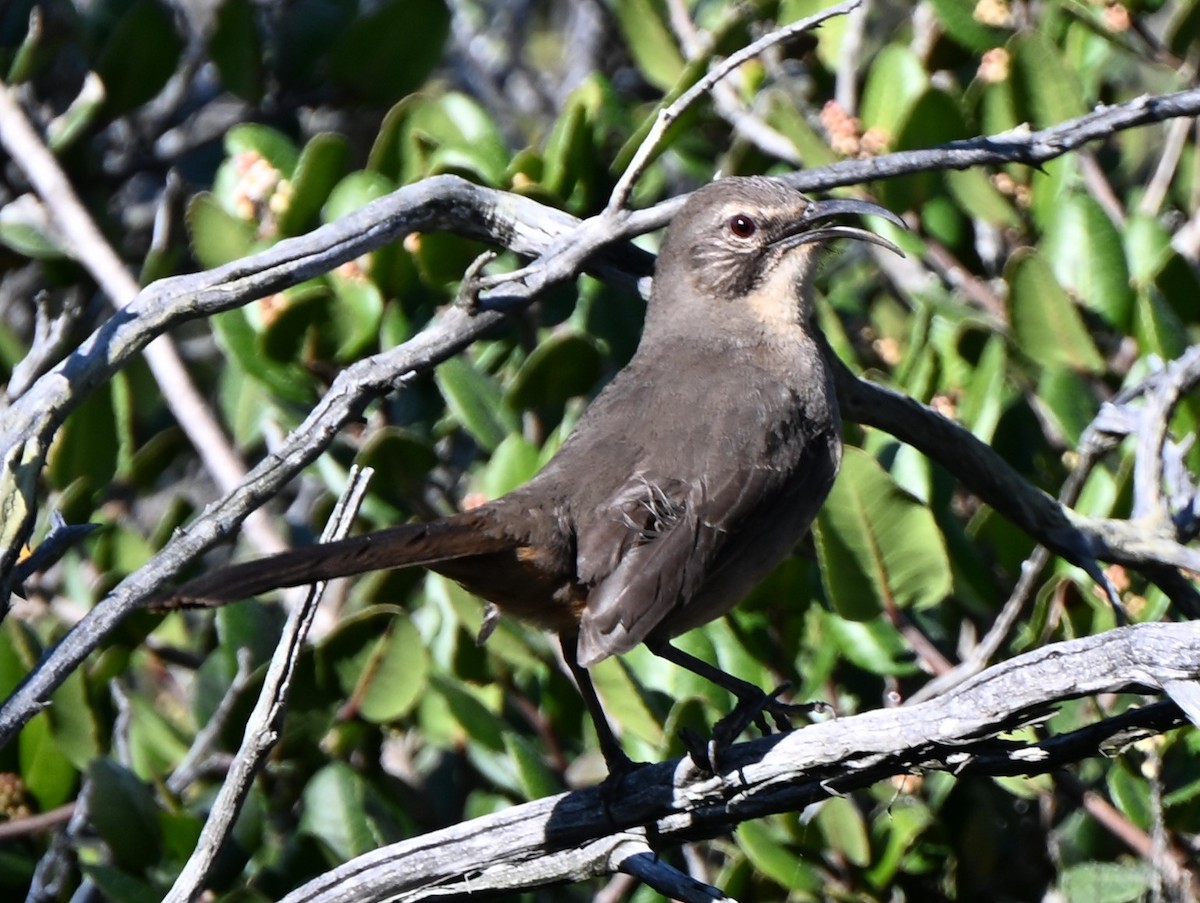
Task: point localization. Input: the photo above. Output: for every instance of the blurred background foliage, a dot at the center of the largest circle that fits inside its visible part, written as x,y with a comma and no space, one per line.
199,131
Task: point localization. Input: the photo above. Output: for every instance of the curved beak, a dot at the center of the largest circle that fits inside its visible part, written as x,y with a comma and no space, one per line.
819,211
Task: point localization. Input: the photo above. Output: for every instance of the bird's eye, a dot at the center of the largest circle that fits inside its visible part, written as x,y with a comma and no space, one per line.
742,226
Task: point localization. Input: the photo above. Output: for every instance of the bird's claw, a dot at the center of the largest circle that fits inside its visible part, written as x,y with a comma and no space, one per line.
750,709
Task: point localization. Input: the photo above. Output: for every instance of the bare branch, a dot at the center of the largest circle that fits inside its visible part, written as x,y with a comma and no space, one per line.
563,246
266,721
583,833
86,244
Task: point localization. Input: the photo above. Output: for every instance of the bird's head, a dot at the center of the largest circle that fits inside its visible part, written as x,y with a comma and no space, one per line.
752,241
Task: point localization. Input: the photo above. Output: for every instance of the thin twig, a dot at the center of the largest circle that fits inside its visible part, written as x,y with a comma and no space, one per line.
266,721
668,114
206,738
87,244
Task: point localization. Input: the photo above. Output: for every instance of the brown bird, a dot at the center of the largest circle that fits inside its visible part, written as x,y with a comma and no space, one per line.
691,475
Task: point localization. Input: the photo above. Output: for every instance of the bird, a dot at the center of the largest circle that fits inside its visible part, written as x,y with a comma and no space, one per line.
693,473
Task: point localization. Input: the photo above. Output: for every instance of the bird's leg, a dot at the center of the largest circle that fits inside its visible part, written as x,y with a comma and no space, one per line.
614,757
752,707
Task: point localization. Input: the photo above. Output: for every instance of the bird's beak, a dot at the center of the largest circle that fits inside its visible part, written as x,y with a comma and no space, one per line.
819,211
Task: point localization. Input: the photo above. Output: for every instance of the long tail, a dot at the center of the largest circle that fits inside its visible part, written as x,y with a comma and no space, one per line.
410,545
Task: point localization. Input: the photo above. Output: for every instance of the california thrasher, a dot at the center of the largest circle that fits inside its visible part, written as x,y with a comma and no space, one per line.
688,478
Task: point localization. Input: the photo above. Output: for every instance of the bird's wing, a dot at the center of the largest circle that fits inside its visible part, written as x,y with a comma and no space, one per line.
651,550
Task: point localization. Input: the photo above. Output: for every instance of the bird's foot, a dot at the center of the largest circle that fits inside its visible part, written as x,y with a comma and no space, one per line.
751,709
620,766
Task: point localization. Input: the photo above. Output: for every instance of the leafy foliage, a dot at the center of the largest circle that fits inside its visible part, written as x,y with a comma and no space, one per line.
1062,283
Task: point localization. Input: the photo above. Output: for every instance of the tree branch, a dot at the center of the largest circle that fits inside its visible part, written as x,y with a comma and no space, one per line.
562,247
587,833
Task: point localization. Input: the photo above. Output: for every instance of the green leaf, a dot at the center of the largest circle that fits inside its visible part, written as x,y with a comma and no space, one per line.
649,40
217,236
354,322
783,116
976,194
904,822
73,723
452,133
832,34
1147,247
63,132
380,661
25,227
1088,257
564,366
473,716
321,164
241,341
537,780
389,52
984,400
24,60
18,654
1045,90
476,401
875,646
263,141
1068,400
118,886
625,702
236,49
156,745
141,53
894,82
877,545
773,859
254,626
568,149
402,460
335,811
86,446
124,813
931,117
1046,326
957,18
1105,882
1156,326
845,830
513,463
1131,793
1184,29
46,770
356,190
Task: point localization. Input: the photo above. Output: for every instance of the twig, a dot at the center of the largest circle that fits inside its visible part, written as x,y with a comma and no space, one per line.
1180,375
845,88
726,102
668,114
37,823
86,244
54,545
53,869
1097,440
266,721
206,738
1164,174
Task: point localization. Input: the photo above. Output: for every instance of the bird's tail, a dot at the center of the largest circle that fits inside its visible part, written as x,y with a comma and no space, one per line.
409,545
